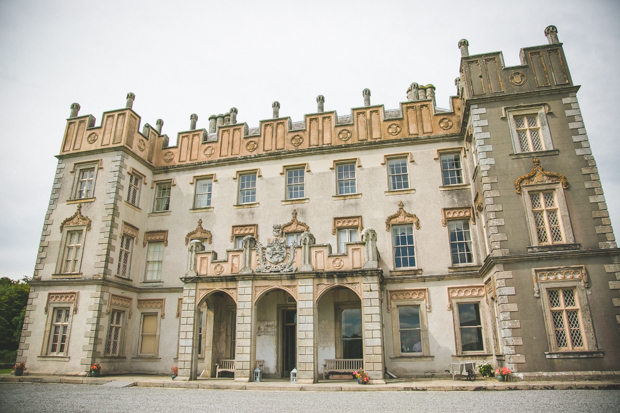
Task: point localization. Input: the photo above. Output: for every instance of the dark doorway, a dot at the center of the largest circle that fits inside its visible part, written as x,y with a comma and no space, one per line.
289,342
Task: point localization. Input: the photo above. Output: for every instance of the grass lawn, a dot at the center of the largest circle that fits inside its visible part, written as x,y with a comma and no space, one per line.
6,371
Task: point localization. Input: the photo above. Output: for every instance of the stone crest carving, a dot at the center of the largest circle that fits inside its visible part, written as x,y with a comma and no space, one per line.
141,145
539,176
402,217
63,297
297,140
251,146
76,219
154,303
219,269
456,213
394,129
445,123
209,151
294,225
168,157
517,78
271,258
199,233
337,263
418,294
344,135
468,291
92,138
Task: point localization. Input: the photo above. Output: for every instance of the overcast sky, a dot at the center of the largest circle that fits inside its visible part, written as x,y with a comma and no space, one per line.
204,57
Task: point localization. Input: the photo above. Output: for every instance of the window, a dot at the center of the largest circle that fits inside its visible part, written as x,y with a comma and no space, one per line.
451,169
566,318
162,197
86,183
201,328
351,333
410,331
154,259
460,242
72,255
529,129
133,192
113,340
238,242
345,178
397,174
546,218
402,239
346,235
59,334
204,188
124,257
247,188
293,236
295,185
149,336
470,327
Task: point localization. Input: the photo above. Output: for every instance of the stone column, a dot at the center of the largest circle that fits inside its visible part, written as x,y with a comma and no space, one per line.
75,108
249,242
305,331
369,237
306,240
186,333
243,351
373,339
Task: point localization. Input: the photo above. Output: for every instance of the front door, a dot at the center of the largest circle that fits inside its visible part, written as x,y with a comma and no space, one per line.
289,342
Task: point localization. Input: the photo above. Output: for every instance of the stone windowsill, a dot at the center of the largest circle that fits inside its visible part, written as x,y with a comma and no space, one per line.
60,275
152,283
413,358
120,277
80,201
464,268
472,356
159,213
521,155
553,247
205,209
400,192
454,187
248,205
347,196
132,206
573,354
54,358
146,358
295,201
112,359
412,271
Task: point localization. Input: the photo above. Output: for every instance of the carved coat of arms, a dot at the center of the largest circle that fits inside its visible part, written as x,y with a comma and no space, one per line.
272,257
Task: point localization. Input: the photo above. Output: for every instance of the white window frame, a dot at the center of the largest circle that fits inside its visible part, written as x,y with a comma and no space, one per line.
390,175
292,236
119,326
125,250
541,113
338,166
78,169
454,304
50,325
469,242
141,333
461,169
394,246
346,232
134,185
154,259
396,336
67,248
563,215
300,183
208,194
241,191
159,203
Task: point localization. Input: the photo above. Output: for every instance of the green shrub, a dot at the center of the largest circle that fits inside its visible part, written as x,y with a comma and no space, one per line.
486,369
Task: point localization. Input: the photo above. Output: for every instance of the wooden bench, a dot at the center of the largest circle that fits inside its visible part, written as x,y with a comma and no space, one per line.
224,365
341,366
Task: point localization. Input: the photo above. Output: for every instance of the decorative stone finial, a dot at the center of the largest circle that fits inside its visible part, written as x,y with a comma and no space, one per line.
192,121
320,102
75,108
464,46
552,34
233,115
159,123
366,94
276,109
130,98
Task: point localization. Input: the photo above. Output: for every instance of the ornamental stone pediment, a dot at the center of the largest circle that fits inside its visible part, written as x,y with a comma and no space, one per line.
539,176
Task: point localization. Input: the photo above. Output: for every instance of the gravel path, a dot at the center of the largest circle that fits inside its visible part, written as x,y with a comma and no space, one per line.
34,397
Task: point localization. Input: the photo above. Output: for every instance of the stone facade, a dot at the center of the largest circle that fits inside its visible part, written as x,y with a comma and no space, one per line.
243,248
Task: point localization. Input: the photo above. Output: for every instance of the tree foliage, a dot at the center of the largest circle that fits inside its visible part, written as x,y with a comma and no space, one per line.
13,301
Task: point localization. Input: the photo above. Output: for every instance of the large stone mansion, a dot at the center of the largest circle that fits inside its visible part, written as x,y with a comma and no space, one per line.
402,240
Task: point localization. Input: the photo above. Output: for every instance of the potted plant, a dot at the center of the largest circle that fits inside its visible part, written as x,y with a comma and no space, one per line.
175,372
502,373
485,369
95,370
19,368
362,377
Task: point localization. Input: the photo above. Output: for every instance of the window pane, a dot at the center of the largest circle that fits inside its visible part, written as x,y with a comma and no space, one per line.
397,172
471,339
247,188
469,314
352,333
402,238
451,169
203,193
295,184
409,316
460,242
346,179
410,341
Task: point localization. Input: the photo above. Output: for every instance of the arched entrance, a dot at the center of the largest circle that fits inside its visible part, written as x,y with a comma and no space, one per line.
275,332
340,332
215,335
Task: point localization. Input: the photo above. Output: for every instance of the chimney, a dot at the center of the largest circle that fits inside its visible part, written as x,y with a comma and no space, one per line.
75,108
192,121
159,124
552,34
366,94
212,121
276,109
233,115
130,98
413,93
464,46
320,103
220,120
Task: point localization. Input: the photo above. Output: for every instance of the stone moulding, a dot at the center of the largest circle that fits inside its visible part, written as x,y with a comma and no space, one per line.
559,274
244,230
259,291
156,236
413,294
179,307
199,233
203,292
402,217
457,213
464,292
294,225
539,176
153,303
121,301
76,219
347,222
130,230
63,297
322,287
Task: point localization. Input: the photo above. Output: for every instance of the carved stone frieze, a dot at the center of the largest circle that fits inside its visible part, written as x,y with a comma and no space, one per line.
153,303
156,236
402,217
199,233
294,226
347,222
456,213
76,219
219,269
63,297
337,263
539,176
560,274
414,294
130,230
168,156
465,292
120,301
244,230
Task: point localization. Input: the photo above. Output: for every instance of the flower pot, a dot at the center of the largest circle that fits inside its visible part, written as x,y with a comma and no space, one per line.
95,373
360,381
19,372
500,378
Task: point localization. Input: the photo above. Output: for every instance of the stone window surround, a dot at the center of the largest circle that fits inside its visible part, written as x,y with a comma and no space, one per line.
285,168
55,300
147,312
78,167
238,174
129,231
466,295
409,297
461,214
123,328
464,173
155,185
540,109
135,173
355,161
196,178
564,216
409,159
63,251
